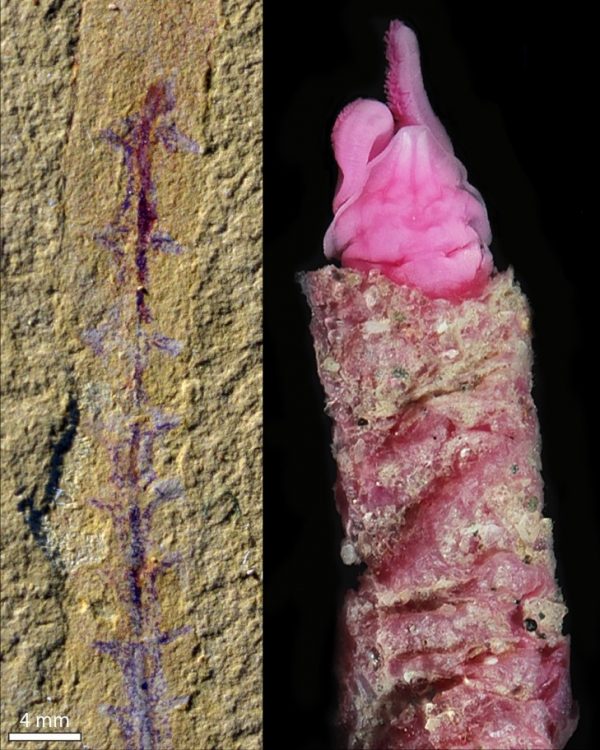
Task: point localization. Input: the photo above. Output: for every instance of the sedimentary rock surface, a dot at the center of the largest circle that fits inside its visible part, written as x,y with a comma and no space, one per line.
81,136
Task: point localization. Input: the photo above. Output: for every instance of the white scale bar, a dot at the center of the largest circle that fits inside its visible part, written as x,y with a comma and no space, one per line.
44,736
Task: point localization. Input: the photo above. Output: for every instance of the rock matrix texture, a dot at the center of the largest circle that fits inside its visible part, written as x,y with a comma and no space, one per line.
131,480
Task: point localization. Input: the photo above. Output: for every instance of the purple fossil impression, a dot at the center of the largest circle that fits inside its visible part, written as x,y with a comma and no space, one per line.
135,492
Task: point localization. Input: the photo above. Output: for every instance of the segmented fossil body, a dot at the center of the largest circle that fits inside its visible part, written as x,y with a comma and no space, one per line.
125,340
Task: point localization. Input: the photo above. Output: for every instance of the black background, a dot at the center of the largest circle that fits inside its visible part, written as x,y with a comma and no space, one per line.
514,86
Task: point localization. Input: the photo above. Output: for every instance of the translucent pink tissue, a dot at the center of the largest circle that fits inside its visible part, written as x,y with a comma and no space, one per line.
403,204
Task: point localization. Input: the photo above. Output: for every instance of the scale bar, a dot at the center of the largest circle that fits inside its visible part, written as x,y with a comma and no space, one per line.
44,736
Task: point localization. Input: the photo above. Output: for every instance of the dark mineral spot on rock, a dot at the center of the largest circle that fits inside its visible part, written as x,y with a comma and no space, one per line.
34,513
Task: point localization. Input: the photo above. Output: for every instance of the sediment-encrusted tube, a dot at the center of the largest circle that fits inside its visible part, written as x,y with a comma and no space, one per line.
453,637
